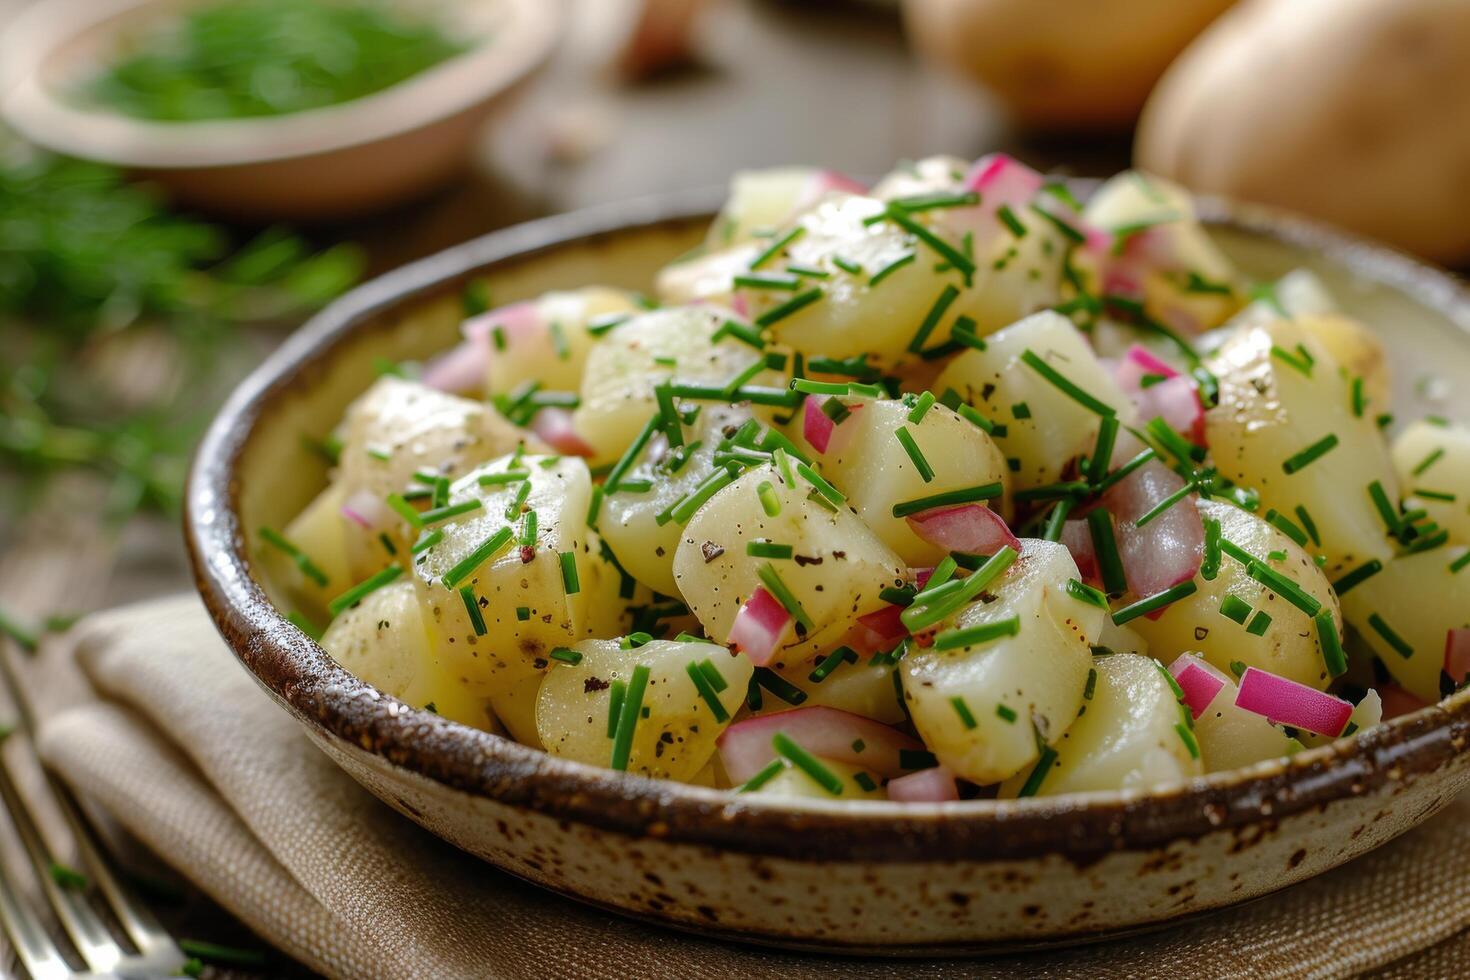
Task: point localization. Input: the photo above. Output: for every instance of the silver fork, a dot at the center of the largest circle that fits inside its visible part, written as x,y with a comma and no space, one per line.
154,953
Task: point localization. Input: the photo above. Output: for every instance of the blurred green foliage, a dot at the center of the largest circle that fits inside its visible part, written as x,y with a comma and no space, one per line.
89,261
244,58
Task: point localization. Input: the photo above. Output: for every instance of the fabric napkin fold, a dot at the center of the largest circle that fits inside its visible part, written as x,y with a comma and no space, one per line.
175,740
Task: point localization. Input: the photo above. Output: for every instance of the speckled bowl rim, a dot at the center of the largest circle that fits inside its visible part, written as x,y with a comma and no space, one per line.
1082,828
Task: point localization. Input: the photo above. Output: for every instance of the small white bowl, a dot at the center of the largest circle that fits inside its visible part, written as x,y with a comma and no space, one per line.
328,162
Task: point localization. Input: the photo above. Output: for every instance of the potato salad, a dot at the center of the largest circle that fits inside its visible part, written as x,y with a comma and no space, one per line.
954,486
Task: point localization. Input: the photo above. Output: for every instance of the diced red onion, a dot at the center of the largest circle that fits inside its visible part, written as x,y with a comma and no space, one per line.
1002,179
1457,654
520,321
1199,681
1174,399
922,576
883,628
1286,702
934,785
1169,548
822,183
1078,540
367,510
820,431
973,529
740,306
1137,361
554,426
460,369
1398,702
829,733
759,626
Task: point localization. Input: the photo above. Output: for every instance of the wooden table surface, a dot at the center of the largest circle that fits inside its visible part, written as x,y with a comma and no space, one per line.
823,83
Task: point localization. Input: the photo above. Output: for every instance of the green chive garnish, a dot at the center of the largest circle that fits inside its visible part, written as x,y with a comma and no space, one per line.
307,566
916,455
1259,624
501,479
933,605
1236,609
472,607
1005,714
771,579
827,490
787,283
932,318
768,549
942,248
489,547
891,268
1285,525
1008,218
986,491
439,514
1064,385
1210,565
1357,576
362,590
569,579
1187,737
1156,601
706,692
921,407
777,246
1333,654
1165,504
807,763
1105,546
830,663
629,710
976,635
767,773
963,710
1428,461
798,302
630,458
1086,593
1039,772
426,542
1399,645
1309,455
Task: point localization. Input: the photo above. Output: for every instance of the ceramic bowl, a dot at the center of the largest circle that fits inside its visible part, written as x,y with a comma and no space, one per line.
869,877
322,163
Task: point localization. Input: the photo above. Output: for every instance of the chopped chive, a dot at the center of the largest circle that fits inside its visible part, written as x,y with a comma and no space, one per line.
779,686
308,567
961,262
1235,608
1386,511
497,334
1428,461
1333,654
936,199
1439,495
777,313
1020,410
1309,525
381,455
440,514
964,333
1309,455
1299,364
942,573
501,479
1091,686
864,781
933,606
1127,468
770,503
767,773
682,511
523,613
559,340
830,662
1285,525
1237,667
986,491
630,457
1064,385
963,710
426,542
489,547
404,510
771,579
891,268
708,669
1210,565
528,530
827,490
1105,546
1174,441
569,579
1068,232
915,454
1276,556
1359,399
225,955
981,422
921,407
1102,452
1086,593
1156,601
1259,624
1038,773
513,509
1005,714
472,607
616,695
1165,504
931,320
706,692
1056,521
1008,218
742,333
631,708
769,549
567,656
847,266
975,635
777,246
1187,737
363,589
1399,645
1278,583
807,763
1458,564
788,283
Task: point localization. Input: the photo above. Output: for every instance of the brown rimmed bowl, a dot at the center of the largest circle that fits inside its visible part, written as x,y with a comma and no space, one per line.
870,877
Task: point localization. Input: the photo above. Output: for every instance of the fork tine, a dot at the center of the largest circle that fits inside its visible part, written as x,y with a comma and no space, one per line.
28,936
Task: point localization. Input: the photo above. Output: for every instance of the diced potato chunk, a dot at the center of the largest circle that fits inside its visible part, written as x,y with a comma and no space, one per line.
1406,611
1288,646
793,783
1044,427
837,569
320,532
1433,464
1285,425
1231,737
875,471
1017,689
549,343
383,640
676,740
1132,736
870,690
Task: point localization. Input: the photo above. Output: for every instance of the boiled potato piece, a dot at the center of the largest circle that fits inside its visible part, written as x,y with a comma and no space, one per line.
634,523
863,688
546,339
936,173
1018,689
623,370
1405,612
319,532
1133,735
525,605
875,471
1282,396
398,428
675,741
793,783
1289,646
1358,351
1231,737
1053,428
762,201
706,278
1433,462
382,639
1121,639
837,569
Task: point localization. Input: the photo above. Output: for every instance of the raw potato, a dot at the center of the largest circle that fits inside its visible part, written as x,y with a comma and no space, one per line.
623,370
1270,411
1446,473
841,569
1289,647
383,640
1061,64
1374,135
397,428
1039,674
553,347
875,472
629,521
512,648
793,783
995,381
1231,737
1129,737
675,741
1419,598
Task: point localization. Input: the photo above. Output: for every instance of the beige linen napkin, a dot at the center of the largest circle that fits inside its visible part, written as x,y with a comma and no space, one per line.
177,742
